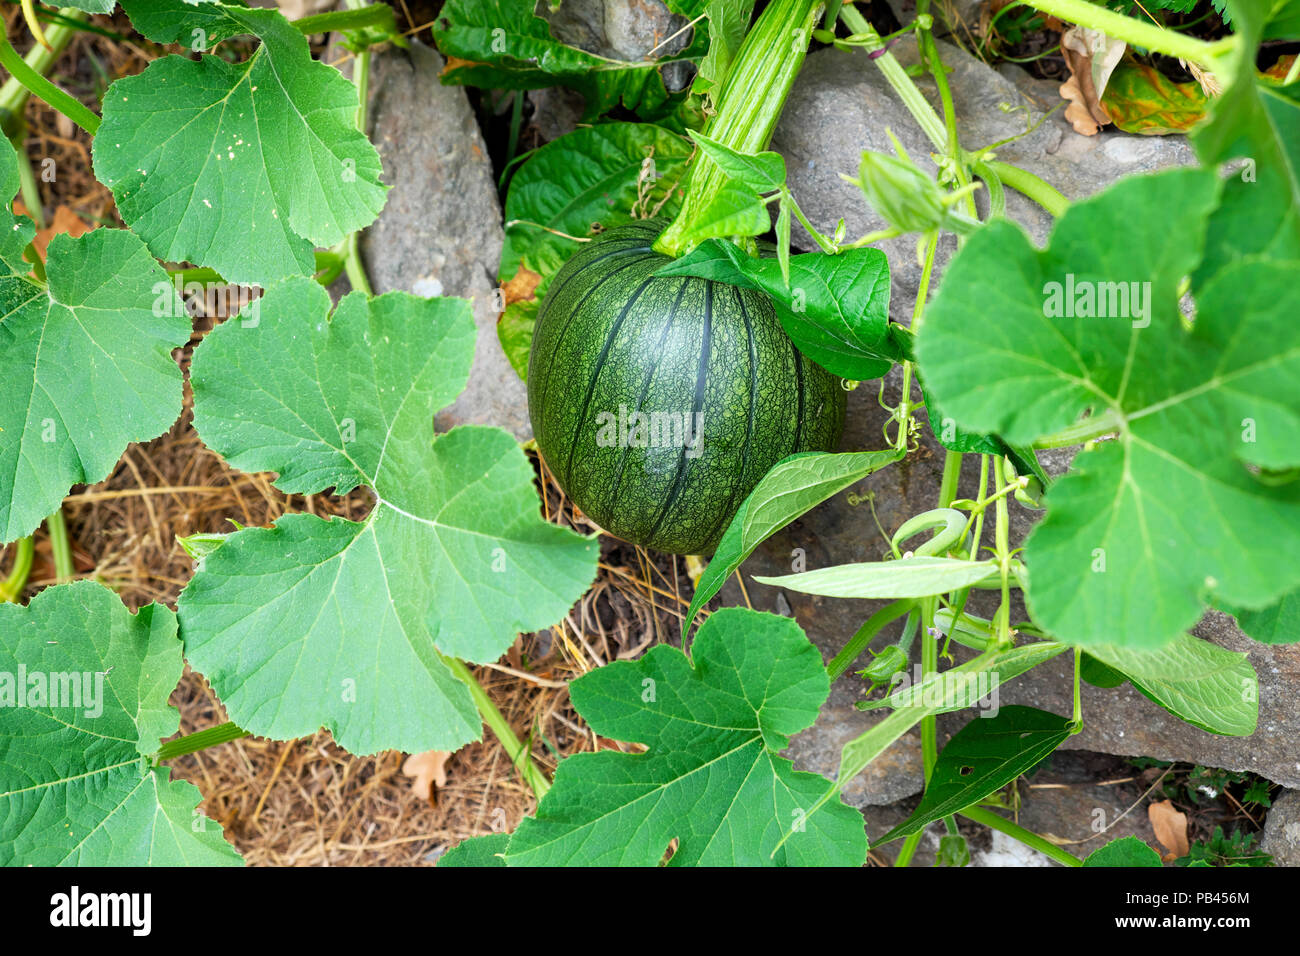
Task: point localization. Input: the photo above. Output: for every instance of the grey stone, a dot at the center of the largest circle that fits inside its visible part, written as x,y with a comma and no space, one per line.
841,105
557,110
618,29
1282,829
440,230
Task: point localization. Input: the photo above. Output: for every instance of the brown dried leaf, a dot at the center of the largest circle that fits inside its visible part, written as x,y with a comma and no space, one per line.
429,770
522,287
1171,829
1091,57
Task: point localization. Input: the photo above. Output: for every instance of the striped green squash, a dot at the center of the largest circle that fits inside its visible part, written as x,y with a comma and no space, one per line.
658,403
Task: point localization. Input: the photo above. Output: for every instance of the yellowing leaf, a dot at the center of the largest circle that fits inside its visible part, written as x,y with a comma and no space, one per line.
1141,99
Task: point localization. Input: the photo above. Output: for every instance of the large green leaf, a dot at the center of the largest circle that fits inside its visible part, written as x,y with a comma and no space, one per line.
502,44
340,623
76,787
792,487
835,308
85,361
1199,682
1150,526
711,778
241,167
982,758
594,175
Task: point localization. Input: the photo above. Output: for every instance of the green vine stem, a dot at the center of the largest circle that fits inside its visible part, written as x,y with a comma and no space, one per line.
934,128
930,52
1016,831
200,740
39,59
11,588
61,547
356,17
27,188
1027,184
500,727
1097,426
748,105
859,641
1076,722
350,248
34,82
1137,32
1002,535
897,78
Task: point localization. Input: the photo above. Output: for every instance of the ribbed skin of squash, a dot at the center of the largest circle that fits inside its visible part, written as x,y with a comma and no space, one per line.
612,340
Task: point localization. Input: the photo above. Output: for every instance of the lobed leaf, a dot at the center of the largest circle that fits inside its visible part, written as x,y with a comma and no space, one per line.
1118,557
85,360
76,788
711,777
341,623
242,167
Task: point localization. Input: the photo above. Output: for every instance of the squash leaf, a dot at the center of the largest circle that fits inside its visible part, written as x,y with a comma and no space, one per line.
1277,624
834,308
1088,327
76,785
308,623
85,360
711,778
503,44
242,167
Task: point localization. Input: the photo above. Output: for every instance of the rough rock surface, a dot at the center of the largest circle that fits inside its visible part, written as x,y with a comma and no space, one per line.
1282,829
440,231
842,105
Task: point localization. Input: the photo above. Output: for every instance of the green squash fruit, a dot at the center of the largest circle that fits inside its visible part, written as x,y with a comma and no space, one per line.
658,403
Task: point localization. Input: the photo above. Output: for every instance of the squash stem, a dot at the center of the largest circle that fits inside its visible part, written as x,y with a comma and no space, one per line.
29,79
12,587
1015,831
500,727
749,103
60,547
